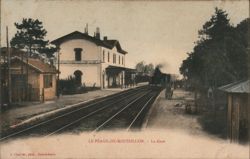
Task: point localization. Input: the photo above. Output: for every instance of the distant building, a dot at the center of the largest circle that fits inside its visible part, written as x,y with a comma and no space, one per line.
92,61
238,110
41,80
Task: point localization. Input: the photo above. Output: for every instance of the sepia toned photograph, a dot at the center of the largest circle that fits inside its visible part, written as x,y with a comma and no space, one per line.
124,79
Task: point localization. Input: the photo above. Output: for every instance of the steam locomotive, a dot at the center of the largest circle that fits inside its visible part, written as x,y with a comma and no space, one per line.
163,80
159,78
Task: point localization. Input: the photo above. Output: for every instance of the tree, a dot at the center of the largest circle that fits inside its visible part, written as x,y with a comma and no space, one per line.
140,67
30,36
238,54
149,69
143,68
220,54
217,27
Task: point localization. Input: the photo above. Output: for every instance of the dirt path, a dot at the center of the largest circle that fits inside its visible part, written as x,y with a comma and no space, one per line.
170,114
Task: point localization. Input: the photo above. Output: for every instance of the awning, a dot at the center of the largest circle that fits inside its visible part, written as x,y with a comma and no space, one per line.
119,69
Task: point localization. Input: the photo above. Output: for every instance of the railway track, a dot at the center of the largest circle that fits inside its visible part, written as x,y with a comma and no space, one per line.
131,116
93,116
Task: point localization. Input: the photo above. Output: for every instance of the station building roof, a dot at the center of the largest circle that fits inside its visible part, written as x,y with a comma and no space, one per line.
110,44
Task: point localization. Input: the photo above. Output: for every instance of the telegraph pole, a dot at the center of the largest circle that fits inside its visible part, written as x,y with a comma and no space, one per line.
27,73
58,69
9,69
248,51
1,78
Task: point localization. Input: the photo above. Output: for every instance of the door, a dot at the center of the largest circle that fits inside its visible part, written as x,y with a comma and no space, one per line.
103,80
235,118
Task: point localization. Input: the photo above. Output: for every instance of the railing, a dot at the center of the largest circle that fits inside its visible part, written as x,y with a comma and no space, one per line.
80,62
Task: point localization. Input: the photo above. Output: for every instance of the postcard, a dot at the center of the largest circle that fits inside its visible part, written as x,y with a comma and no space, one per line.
124,79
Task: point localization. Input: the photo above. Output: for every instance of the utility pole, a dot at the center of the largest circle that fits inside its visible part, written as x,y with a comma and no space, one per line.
248,51
9,69
27,72
22,78
1,78
58,69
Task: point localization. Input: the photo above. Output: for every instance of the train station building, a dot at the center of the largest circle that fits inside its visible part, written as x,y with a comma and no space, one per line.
94,62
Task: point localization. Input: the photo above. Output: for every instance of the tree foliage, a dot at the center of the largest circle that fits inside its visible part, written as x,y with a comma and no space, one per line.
143,68
220,54
30,36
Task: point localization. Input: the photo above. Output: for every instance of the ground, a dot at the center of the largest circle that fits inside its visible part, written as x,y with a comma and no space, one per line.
168,133
30,109
27,111
170,114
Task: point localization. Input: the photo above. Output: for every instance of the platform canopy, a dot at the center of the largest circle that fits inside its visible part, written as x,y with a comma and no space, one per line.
117,69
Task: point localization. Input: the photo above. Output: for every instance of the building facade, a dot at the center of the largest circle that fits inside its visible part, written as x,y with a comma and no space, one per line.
94,62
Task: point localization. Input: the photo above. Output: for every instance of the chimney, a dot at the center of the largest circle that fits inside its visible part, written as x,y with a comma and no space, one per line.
86,29
105,38
97,34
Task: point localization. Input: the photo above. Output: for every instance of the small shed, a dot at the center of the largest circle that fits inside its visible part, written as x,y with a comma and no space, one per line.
238,110
40,78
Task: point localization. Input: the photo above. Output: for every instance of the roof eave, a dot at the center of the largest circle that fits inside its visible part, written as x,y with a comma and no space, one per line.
236,87
34,67
124,52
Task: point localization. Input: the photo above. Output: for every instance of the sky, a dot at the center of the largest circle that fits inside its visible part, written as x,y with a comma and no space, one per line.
158,32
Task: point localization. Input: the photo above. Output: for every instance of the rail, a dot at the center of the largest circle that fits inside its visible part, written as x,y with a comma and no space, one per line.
121,96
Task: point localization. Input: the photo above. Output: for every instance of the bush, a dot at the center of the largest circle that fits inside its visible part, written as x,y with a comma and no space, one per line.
70,86
213,113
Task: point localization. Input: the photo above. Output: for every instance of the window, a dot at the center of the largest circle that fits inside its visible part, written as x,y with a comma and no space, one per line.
47,81
108,56
103,56
119,59
78,54
114,58
122,60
